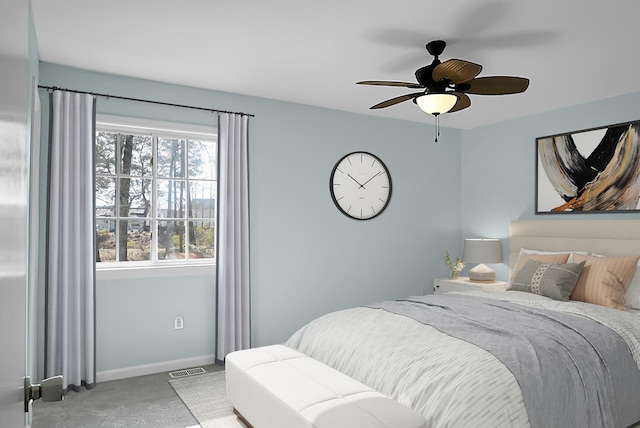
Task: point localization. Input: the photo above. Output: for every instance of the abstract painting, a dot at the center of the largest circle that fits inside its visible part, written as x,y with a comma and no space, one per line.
595,170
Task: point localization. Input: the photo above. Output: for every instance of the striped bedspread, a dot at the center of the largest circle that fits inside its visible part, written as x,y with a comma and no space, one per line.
450,381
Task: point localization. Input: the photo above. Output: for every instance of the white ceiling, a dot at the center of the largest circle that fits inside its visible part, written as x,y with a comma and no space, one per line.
574,51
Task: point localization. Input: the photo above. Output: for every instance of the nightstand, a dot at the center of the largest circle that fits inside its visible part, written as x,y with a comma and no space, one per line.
447,285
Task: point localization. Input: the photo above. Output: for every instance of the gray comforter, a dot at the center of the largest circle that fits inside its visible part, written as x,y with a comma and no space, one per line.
572,370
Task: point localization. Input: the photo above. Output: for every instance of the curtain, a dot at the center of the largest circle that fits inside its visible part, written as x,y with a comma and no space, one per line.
70,256
232,253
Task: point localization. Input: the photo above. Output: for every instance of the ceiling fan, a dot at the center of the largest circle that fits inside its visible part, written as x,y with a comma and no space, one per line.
444,85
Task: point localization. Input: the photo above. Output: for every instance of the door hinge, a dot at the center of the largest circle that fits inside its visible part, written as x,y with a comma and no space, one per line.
49,389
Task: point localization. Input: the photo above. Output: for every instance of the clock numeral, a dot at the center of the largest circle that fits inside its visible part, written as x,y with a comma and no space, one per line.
373,209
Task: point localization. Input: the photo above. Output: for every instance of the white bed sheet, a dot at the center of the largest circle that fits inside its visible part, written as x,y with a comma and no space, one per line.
451,382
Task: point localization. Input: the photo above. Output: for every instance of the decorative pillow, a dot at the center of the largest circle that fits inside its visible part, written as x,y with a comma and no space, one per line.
544,258
632,298
547,279
604,280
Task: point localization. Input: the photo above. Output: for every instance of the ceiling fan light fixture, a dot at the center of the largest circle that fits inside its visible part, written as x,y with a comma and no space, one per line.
436,103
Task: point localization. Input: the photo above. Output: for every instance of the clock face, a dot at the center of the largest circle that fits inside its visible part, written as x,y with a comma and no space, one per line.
360,185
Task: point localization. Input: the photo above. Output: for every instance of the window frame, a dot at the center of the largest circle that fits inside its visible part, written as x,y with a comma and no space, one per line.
167,130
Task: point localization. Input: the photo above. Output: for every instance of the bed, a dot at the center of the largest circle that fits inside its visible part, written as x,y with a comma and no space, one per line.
514,358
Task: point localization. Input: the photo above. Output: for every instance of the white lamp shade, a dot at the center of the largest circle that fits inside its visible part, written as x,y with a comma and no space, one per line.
482,251
436,103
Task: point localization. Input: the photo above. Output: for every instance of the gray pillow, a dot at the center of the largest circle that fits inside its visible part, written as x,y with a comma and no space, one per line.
547,279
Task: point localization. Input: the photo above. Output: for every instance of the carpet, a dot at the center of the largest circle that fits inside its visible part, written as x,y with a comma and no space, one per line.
205,395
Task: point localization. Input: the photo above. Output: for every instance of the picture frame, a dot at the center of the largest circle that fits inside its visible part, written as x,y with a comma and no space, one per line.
594,170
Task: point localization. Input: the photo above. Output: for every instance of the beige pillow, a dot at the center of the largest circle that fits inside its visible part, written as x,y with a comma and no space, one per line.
559,258
604,280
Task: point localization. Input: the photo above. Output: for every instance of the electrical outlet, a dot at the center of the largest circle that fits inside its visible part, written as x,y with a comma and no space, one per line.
178,323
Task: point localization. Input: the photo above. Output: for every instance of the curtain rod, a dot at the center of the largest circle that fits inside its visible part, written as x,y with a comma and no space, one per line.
96,94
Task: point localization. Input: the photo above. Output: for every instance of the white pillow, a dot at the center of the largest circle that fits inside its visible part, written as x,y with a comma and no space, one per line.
569,260
632,298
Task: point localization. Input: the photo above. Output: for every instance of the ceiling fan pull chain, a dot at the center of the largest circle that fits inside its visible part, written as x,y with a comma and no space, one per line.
437,126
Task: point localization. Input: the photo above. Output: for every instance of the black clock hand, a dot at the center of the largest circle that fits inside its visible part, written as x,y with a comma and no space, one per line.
379,172
355,181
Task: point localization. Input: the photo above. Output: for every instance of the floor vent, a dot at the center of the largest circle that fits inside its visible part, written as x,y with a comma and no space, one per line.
187,372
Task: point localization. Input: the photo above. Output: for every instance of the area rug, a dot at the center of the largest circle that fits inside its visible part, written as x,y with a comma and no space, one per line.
205,396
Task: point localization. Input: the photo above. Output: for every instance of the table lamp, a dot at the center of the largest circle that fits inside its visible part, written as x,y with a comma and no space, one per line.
482,251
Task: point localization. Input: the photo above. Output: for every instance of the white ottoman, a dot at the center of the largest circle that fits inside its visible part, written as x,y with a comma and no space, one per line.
276,386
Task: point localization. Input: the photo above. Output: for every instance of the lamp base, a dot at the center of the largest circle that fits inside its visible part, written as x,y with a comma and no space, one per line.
482,273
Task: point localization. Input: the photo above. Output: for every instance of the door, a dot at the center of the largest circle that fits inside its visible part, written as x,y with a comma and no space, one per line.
14,154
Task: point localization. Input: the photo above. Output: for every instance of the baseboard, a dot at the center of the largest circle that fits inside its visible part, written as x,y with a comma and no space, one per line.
146,369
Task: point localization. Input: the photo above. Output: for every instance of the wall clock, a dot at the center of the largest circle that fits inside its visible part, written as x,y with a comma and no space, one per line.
360,185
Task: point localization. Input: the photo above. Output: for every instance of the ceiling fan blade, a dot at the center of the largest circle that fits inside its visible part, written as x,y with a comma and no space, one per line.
495,85
463,102
389,83
456,71
396,100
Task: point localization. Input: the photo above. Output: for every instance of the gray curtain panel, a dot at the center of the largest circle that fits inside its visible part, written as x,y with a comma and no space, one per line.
232,253
70,260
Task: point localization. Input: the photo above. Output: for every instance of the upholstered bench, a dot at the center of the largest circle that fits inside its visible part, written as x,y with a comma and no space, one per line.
276,386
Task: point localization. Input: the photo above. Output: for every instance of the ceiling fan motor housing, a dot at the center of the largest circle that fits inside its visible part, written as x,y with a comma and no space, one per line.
424,76
436,47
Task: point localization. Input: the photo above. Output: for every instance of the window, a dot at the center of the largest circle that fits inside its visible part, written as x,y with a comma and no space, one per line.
155,193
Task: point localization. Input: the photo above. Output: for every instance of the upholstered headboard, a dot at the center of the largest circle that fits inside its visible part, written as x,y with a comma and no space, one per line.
605,237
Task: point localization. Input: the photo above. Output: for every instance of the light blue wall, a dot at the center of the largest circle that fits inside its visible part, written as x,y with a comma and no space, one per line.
307,258
135,320
499,161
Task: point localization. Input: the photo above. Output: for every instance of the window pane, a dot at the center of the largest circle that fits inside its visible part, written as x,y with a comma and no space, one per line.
172,197
105,197
134,197
131,241
135,155
139,197
202,199
170,240
138,241
202,235
171,154
202,160
105,153
141,162
106,242
105,224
